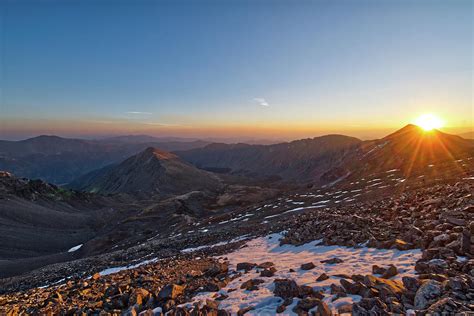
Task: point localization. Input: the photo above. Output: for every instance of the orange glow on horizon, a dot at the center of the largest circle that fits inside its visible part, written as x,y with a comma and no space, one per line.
198,129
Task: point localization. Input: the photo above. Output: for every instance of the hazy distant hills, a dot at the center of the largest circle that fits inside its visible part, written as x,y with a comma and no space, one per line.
297,160
325,159
60,160
318,160
152,171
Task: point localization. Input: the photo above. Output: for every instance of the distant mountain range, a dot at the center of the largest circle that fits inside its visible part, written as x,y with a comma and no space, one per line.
60,160
297,160
325,159
318,160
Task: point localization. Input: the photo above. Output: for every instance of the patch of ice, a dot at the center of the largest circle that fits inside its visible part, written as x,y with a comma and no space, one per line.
286,257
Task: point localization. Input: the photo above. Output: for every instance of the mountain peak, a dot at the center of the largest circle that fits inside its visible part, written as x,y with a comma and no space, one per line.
158,153
152,171
409,130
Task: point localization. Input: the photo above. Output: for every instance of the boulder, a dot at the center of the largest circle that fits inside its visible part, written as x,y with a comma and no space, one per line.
245,310
428,291
266,265
171,291
246,266
456,221
305,304
378,270
251,285
286,288
308,266
390,272
322,277
332,261
268,272
323,309
352,288
411,284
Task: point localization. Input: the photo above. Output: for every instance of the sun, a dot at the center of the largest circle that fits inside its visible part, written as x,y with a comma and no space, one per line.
429,122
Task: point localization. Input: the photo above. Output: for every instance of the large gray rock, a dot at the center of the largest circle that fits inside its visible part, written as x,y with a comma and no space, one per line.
428,291
286,288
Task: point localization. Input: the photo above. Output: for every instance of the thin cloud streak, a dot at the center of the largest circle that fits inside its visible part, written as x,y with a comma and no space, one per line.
164,124
262,102
139,112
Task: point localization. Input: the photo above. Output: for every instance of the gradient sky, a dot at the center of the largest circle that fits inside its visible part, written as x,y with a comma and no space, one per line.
282,69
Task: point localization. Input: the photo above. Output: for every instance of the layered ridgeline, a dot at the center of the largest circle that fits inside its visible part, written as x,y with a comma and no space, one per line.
299,160
151,171
60,160
326,159
412,152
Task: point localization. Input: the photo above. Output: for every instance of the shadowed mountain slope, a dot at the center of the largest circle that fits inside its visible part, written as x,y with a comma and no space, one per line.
410,150
299,160
60,160
152,171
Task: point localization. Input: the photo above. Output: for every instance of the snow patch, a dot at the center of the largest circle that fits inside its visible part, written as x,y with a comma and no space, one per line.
286,257
75,248
122,268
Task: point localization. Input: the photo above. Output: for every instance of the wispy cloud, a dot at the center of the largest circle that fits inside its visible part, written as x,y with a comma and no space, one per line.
139,112
261,101
164,124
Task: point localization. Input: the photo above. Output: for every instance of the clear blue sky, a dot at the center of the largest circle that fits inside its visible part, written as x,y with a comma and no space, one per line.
240,67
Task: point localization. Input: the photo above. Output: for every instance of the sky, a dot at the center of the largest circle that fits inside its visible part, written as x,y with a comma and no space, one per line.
263,69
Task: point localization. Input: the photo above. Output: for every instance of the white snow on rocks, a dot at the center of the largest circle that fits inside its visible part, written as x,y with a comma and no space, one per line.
286,257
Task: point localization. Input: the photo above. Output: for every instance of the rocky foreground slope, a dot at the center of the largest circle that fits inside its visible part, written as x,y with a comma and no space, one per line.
209,279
